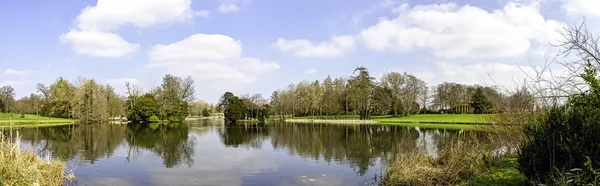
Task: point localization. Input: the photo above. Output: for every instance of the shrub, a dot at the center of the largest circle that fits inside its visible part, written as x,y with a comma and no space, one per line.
562,139
173,119
153,119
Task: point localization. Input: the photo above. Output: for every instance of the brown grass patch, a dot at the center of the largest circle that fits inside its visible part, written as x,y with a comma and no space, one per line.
23,167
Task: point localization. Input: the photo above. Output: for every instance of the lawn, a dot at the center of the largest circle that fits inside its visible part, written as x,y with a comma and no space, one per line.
30,120
419,118
506,174
435,118
439,126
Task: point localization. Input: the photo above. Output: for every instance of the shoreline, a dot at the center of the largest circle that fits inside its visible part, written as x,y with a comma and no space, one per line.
330,121
421,124
36,124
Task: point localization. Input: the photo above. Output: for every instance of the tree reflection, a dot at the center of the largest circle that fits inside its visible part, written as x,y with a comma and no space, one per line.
170,142
90,142
359,146
249,135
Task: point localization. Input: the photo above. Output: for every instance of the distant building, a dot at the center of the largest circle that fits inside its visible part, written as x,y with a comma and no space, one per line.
464,108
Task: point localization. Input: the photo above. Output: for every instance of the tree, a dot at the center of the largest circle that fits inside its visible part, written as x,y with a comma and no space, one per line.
234,110
224,100
7,94
205,112
62,93
393,81
143,107
89,103
173,97
480,102
382,100
361,87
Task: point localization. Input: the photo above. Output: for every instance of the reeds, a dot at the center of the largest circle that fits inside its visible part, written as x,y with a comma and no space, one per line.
464,159
24,167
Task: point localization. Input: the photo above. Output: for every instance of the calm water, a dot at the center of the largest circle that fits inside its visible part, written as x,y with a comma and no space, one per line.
209,153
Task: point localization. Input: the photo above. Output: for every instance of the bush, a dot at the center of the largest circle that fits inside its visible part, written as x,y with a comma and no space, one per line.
173,119
153,119
562,139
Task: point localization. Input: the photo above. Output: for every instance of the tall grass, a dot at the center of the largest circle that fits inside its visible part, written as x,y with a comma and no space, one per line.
22,167
466,157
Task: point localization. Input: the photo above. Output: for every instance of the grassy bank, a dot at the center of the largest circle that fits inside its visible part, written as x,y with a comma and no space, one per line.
419,118
464,162
438,121
506,173
436,118
20,167
31,120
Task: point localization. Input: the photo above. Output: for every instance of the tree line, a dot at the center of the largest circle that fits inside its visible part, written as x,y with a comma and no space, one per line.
90,102
393,94
244,107
84,99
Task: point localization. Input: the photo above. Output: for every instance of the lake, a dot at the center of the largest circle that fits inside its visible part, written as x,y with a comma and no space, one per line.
206,152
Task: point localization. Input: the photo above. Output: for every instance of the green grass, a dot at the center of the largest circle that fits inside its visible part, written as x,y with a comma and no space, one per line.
435,118
30,120
28,117
341,117
439,126
507,174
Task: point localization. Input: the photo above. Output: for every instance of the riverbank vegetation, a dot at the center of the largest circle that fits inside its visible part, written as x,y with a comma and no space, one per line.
23,167
556,144
169,101
244,108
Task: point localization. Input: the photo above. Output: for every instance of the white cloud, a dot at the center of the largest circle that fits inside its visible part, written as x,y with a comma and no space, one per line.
336,47
450,31
499,74
109,15
311,71
582,7
228,7
95,26
210,57
14,72
98,44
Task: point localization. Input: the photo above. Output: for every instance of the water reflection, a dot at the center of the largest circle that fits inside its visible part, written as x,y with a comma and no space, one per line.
170,142
209,152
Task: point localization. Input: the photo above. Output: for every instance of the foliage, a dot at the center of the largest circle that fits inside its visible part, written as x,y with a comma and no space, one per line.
172,97
562,138
263,113
480,102
234,109
153,119
588,175
90,103
360,91
174,119
7,97
142,108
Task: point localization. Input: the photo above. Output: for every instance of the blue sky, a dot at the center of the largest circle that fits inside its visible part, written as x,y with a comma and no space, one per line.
258,46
